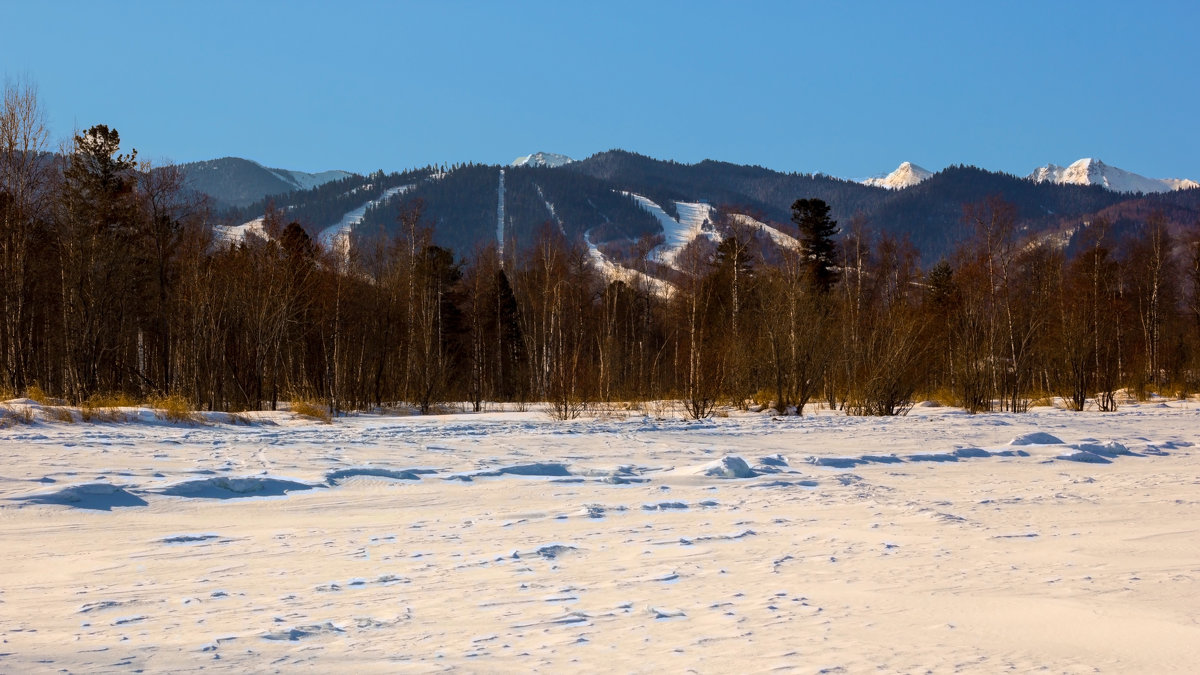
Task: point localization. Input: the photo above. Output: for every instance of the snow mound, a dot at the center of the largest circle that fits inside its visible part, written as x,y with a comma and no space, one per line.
933,457
664,506
536,469
1036,438
336,477
1110,449
905,175
729,466
233,487
835,462
1085,457
91,496
301,632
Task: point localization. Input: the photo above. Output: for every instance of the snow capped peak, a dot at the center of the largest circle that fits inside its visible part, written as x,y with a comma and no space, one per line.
1091,171
905,175
547,159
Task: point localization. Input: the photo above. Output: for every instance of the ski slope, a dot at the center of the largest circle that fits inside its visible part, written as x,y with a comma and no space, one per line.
634,278
334,235
693,216
781,239
236,234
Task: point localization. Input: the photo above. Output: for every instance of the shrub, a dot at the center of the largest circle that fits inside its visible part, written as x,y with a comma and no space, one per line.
174,408
59,414
10,416
36,393
314,410
103,408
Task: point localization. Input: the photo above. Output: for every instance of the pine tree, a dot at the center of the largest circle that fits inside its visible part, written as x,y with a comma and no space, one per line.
817,231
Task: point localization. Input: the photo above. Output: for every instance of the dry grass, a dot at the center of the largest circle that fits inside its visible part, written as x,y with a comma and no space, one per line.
59,413
174,408
99,408
36,393
12,416
313,410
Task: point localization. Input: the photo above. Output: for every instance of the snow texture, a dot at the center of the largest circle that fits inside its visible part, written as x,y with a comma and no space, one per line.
628,541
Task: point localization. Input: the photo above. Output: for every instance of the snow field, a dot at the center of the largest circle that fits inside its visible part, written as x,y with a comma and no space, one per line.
508,541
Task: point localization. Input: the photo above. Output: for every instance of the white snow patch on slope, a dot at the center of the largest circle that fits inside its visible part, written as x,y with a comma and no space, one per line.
781,238
1089,171
616,272
236,234
905,175
500,216
338,232
693,216
546,159
550,207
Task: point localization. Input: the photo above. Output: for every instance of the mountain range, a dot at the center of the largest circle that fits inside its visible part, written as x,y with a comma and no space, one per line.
633,211
232,181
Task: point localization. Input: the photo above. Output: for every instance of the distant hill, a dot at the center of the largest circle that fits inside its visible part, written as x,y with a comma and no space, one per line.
620,201
232,181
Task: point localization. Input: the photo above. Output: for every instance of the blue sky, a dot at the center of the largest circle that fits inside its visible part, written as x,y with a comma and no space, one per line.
845,88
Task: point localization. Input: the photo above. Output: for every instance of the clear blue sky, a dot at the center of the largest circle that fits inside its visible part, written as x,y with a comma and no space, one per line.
846,88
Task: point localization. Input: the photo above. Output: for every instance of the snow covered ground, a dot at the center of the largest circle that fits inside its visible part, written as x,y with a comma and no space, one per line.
621,542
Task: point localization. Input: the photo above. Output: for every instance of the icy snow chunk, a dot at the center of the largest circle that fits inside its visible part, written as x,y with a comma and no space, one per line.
536,469
836,462
665,613
933,457
972,452
335,477
1086,457
1036,438
663,506
1110,449
301,632
729,466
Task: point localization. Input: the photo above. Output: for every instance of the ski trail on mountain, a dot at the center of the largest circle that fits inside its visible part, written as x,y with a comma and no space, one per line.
500,216
678,233
332,234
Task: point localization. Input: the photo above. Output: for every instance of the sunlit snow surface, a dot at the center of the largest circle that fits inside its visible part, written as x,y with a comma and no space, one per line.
1089,171
627,541
678,232
905,175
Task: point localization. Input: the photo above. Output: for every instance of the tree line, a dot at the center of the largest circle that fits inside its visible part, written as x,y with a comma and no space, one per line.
112,281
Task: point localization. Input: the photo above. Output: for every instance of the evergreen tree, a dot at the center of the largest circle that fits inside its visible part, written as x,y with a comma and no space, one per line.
817,230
